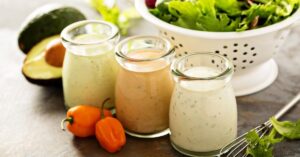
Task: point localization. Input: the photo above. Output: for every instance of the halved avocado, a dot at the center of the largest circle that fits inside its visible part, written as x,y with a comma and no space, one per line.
46,21
37,31
36,70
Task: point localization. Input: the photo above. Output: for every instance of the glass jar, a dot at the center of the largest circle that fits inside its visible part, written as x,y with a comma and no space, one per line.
89,69
203,111
144,85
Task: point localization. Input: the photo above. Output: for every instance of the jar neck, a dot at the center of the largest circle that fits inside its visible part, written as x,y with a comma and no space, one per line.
93,49
144,53
202,67
151,48
146,61
89,37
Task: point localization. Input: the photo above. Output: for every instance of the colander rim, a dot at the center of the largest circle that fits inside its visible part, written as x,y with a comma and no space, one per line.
143,10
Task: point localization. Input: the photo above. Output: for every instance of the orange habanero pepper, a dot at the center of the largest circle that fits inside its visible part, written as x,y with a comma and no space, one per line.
82,120
110,134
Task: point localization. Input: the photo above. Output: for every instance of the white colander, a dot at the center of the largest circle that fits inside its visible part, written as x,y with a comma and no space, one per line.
250,51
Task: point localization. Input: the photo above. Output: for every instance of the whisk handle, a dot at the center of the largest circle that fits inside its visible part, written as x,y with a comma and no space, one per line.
287,107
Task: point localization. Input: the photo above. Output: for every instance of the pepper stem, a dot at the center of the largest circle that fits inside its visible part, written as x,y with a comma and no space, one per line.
102,107
62,126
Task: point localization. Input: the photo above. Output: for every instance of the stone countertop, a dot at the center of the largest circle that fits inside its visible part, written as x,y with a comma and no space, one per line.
31,115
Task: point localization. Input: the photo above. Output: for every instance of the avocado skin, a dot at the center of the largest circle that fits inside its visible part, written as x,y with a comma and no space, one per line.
34,56
44,22
57,82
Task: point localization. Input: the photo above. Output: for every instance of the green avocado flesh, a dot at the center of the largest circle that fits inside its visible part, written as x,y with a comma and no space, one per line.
35,67
44,22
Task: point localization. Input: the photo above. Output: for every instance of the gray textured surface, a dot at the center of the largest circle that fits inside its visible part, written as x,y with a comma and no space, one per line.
30,114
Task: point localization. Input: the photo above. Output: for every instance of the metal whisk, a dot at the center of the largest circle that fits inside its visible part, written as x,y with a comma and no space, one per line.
237,146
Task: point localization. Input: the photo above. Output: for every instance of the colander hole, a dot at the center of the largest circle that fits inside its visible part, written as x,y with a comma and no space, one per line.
245,53
254,54
165,33
225,47
243,67
213,61
217,51
245,45
217,65
179,55
173,38
234,66
252,48
192,65
234,58
244,61
225,55
235,44
235,50
176,47
251,62
185,52
180,45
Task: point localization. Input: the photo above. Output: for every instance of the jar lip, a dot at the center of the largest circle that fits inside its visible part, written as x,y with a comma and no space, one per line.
228,70
65,37
119,53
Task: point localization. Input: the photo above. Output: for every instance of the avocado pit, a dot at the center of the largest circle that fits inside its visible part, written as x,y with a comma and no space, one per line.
55,53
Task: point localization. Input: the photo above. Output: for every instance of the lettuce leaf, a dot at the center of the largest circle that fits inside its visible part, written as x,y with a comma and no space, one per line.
207,7
231,7
224,15
261,147
162,11
219,23
112,13
288,129
185,13
109,13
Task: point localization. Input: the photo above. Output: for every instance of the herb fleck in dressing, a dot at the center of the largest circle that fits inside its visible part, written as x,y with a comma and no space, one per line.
89,72
203,114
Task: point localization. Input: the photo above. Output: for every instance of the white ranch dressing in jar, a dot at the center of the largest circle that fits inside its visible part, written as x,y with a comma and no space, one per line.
89,70
203,113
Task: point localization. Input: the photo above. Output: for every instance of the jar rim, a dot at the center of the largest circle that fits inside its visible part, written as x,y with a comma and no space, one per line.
228,67
119,52
66,38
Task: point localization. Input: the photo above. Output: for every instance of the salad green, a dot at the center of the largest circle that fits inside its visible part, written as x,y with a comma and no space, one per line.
263,146
224,15
112,13
288,129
